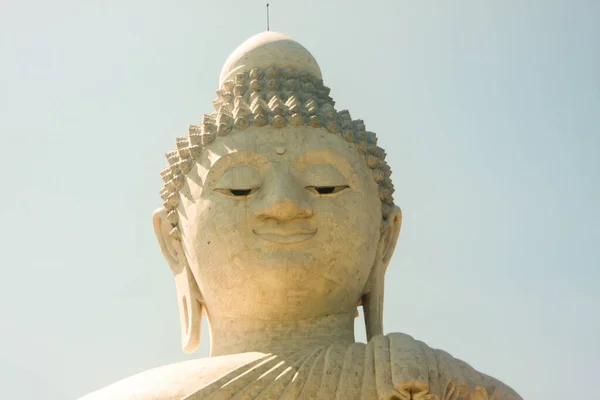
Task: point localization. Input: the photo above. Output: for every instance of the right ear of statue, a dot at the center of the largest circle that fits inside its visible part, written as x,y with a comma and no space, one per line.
189,299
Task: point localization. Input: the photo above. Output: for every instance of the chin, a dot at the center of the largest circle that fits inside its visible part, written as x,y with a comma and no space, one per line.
294,288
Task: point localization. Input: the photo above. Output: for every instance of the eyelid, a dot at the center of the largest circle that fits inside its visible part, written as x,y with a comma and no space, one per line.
237,192
238,181
327,190
323,175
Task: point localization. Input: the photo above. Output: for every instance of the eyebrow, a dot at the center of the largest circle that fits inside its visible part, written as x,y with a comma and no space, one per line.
324,156
234,159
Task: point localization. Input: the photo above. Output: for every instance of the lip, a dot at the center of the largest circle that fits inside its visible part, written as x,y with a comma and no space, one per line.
278,234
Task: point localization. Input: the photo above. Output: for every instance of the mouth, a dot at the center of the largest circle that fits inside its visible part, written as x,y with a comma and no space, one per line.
285,236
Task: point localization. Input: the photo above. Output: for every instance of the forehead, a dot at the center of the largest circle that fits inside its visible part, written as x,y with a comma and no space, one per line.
283,145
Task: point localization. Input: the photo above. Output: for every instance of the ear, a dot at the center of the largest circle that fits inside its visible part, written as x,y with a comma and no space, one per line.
372,299
389,236
189,299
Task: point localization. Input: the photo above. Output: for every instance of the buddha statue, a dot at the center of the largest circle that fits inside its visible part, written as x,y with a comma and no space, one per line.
278,222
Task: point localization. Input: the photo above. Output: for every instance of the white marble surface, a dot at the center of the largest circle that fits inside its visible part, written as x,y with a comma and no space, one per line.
278,223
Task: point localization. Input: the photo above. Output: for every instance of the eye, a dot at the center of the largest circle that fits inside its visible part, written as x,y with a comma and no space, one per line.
325,190
238,192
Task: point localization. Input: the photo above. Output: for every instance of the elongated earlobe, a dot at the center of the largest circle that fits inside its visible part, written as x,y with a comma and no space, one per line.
372,299
189,299
373,310
190,306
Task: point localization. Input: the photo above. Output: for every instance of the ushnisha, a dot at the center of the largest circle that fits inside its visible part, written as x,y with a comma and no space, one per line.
278,221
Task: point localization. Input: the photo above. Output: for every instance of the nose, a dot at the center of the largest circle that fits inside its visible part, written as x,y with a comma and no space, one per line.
286,200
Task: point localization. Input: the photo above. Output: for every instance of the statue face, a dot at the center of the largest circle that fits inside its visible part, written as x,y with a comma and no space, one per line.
280,224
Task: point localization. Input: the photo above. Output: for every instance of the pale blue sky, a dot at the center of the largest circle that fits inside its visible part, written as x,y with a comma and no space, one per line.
490,114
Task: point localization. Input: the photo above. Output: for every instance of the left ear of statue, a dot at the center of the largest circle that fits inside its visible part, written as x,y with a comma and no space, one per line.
372,299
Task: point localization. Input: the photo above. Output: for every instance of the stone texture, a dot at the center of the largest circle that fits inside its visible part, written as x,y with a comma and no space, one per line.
278,221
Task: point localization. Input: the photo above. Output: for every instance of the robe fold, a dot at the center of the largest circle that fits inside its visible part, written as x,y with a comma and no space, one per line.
394,366
389,367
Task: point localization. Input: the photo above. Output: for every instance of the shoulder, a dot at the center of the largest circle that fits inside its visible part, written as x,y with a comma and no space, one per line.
173,381
442,371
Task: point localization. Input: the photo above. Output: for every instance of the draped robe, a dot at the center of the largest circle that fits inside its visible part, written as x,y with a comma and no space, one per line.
394,366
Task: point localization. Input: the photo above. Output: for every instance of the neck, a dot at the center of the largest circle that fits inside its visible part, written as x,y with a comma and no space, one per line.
241,335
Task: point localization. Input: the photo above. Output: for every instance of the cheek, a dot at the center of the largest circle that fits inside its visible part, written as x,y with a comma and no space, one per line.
217,220
218,234
351,234
353,215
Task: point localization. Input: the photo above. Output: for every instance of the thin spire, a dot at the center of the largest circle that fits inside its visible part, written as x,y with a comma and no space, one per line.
268,17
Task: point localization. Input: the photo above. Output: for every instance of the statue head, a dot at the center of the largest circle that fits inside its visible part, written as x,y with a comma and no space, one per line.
276,206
